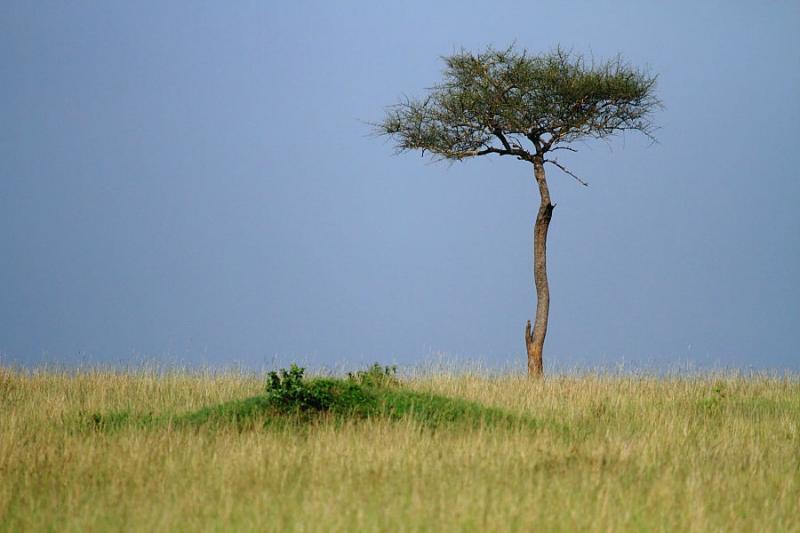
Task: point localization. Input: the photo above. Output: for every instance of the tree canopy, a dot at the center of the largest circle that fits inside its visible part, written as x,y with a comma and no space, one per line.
494,101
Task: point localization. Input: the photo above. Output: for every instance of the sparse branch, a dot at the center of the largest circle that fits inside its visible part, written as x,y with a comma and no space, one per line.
520,154
571,149
548,144
566,171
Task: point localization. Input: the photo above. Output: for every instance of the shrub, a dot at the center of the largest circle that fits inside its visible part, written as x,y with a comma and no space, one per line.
375,376
289,391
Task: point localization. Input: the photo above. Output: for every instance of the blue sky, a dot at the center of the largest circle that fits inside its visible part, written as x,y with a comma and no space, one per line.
195,182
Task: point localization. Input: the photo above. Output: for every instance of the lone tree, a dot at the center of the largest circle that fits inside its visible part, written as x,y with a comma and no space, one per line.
508,103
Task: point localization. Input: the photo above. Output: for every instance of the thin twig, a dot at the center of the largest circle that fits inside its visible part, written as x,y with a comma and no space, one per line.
566,171
563,148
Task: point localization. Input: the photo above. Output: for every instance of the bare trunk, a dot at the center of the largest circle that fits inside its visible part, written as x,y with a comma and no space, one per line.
534,340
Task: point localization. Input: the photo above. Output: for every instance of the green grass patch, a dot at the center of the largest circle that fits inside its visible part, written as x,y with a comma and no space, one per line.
292,400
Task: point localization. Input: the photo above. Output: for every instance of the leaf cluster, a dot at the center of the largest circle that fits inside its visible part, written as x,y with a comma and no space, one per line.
288,391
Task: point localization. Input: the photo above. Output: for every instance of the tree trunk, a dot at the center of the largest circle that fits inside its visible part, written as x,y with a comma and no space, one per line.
534,340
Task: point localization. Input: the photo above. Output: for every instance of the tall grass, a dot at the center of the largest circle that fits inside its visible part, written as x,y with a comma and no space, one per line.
718,453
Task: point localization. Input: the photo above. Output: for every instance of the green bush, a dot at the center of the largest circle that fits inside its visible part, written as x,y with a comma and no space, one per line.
289,392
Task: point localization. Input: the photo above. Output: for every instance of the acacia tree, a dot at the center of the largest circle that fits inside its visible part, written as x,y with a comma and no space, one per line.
508,103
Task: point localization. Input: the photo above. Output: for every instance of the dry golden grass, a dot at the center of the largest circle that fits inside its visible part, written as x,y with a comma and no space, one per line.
715,453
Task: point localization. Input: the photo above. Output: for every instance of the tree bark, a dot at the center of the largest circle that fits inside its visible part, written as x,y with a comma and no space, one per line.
534,340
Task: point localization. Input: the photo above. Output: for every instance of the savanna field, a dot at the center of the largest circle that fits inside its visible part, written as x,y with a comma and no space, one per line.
97,450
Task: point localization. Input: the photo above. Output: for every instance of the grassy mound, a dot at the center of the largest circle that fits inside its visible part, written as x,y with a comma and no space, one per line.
291,399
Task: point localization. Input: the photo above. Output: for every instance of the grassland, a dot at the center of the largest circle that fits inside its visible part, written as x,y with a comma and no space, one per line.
595,453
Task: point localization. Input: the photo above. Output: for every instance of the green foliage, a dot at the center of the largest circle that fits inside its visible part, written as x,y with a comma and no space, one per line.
289,392
374,392
286,389
508,102
376,376
291,399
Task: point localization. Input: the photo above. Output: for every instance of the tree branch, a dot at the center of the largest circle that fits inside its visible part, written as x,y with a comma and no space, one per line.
499,134
521,154
566,171
571,149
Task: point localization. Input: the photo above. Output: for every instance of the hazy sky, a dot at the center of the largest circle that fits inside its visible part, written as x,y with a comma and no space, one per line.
195,182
